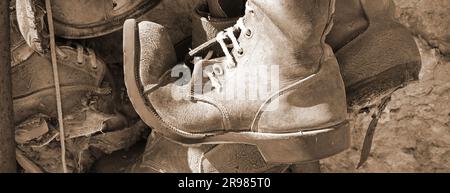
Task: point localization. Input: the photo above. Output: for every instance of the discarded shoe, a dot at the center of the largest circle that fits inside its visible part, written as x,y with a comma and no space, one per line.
69,23
376,54
80,70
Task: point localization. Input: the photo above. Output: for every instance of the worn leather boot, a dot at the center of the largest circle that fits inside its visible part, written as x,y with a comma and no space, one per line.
388,57
77,19
303,119
80,70
163,155
376,54
350,22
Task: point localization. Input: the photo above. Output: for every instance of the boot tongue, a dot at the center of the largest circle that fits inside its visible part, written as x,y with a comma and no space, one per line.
226,8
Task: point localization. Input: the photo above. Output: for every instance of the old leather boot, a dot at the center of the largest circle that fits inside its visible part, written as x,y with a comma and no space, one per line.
80,70
309,122
350,22
375,53
163,155
69,23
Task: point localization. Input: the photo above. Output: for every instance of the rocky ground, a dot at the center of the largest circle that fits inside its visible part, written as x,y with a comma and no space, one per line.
413,134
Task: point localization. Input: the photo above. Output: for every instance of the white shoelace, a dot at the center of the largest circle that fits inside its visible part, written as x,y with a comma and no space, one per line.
230,61
229,34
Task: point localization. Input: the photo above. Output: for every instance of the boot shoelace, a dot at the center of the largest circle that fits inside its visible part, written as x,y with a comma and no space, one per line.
217,68
229,34
230,62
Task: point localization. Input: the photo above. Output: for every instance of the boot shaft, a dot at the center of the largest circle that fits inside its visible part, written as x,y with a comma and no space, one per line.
353,17
226,8
211,18
295,29
301,21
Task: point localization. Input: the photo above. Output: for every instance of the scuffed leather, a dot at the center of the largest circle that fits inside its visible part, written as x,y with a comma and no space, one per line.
33,86
159,51
32,76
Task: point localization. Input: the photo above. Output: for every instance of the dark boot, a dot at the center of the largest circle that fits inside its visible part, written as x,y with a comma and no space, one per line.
215,16
80,70
75,19
375,53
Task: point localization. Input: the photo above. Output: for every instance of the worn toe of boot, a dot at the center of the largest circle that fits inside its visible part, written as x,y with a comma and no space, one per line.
148,56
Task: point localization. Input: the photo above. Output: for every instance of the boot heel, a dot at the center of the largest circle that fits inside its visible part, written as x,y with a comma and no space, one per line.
306,146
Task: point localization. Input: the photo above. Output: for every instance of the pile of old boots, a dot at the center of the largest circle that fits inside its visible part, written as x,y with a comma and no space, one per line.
98,117
226,85
266,84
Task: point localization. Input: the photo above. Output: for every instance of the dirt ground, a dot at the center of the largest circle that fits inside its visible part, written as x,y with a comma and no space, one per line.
414,132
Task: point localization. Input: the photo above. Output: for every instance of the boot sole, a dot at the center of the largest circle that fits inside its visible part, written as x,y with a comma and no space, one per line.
373,88
287,148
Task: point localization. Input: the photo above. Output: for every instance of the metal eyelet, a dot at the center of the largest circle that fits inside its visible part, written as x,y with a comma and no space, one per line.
217,69
248,33
252,12
240,52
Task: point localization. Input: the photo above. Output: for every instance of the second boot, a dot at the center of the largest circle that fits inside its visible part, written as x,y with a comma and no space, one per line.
375,53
